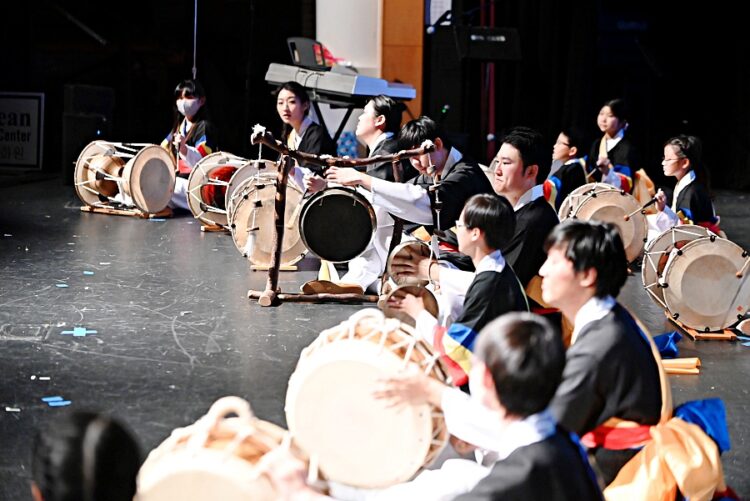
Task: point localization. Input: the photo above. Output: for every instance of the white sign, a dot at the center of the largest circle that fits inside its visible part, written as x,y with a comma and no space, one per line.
21,129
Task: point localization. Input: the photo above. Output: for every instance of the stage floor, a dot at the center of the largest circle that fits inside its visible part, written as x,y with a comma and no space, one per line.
174,330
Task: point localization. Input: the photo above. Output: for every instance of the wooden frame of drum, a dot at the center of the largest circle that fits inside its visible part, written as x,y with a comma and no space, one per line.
701,287
332,414
602,202
337,224
658,252
252,221
145,174
214,458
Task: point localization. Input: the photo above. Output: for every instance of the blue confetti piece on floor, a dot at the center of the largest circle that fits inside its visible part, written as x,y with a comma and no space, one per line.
88,272
740,336
61,403
62,286
79,332
746,344
52,399
157,219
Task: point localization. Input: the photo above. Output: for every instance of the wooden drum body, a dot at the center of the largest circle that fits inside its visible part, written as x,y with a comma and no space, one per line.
143,172
701,287
602,202
215,458
208,186
332,414
337,224
252,220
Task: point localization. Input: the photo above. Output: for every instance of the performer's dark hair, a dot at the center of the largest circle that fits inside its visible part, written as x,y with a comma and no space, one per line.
575,138
532,149
525,356
391,109
691,147
492,214
85,456
301,94
419,130
593,244
619,108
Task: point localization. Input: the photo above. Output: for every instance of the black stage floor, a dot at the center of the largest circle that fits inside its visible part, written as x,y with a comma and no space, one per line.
175,330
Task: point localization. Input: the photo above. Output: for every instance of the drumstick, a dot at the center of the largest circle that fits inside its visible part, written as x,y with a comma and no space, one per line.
743,269
643,207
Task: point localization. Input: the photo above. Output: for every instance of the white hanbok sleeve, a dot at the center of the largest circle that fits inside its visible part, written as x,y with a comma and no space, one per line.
407,201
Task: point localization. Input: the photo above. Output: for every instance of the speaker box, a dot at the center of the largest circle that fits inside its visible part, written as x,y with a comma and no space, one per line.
78,130
89,99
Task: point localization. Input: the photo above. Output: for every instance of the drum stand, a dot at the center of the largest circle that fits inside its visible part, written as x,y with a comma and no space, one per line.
165,212
272,295
722,335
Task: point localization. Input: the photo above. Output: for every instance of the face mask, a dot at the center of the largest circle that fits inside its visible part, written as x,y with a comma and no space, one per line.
188,107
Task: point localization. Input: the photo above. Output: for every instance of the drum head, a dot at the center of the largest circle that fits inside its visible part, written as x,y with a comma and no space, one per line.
149,178
207,187
337,224
612,206
657,252
574,199
408,250
331,412
702,289
250,168
252,221
430,303
95,158
194,463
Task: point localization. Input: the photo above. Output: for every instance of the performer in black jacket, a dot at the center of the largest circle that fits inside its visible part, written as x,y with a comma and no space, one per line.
414,201
691,201
519,363
613,158
611,371
571,170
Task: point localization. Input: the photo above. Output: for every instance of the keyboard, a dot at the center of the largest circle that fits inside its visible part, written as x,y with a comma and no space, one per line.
338,83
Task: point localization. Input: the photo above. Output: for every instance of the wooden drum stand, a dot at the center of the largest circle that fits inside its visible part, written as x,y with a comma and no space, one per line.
272,294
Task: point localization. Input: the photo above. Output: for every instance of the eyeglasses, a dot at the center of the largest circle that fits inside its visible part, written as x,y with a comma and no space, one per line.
666,161
564,144
460,224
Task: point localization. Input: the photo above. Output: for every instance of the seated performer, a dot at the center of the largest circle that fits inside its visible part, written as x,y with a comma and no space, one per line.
571,172
485,226
376,127
414,201
299,132
611,373
521,168
518,364
613,157
192,137
691,200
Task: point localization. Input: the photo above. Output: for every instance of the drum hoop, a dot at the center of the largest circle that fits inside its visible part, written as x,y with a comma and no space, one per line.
403,246
351,193
134,166
199,178
578,195
675,304
246,188
660,246
636,221
82,176
377,331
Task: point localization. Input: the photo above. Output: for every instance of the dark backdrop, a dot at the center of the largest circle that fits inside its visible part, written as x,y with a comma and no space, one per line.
683,68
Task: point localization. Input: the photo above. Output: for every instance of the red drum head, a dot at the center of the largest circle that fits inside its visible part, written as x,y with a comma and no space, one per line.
207,187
